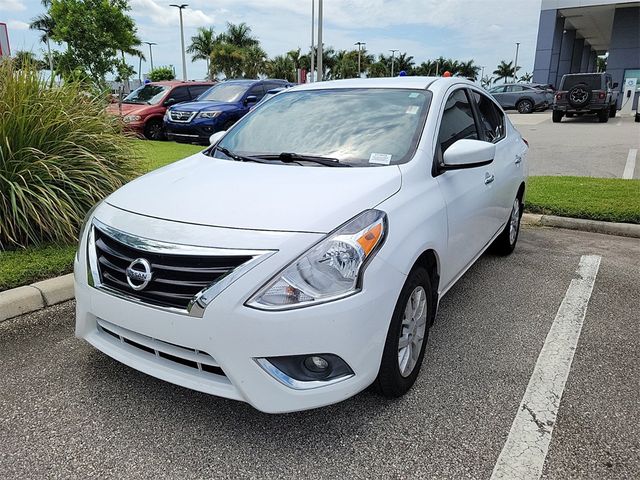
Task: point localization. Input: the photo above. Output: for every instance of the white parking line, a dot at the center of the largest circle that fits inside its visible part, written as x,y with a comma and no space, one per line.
630,166
525,450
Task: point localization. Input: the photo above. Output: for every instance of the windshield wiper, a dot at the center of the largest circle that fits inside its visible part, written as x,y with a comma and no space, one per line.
240,158
289,157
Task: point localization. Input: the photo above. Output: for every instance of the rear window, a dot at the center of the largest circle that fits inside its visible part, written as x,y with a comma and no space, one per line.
594,82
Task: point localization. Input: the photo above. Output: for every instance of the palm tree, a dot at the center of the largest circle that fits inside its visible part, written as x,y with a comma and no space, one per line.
505,71
527,77
281,66
239,35
46,25
254,61
227,60
404,62
486,81
202,45
467,70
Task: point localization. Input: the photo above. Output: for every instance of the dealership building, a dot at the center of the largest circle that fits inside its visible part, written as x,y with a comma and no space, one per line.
572,33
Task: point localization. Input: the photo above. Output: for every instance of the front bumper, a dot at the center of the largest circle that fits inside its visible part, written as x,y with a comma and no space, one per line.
192,132
232,336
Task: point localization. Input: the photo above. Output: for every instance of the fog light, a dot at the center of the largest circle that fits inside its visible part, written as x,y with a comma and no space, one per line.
316,364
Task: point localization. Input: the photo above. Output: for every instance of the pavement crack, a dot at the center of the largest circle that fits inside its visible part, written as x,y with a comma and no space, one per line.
542,427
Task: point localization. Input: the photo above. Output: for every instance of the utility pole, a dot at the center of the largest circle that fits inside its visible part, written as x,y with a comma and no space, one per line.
482,75
313,40
320,47
150,52
515,67
393,59
360,45
184,58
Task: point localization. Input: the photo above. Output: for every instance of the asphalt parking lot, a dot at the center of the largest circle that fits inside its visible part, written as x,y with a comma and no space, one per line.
69,411
580,146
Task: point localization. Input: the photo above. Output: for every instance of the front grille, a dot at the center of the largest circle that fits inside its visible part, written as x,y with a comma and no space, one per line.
177,354
176,279
183,117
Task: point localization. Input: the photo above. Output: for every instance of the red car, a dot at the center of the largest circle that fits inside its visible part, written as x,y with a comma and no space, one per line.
143,109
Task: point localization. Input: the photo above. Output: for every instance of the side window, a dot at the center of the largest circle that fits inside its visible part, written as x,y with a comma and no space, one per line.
491,118
181,94
257,91
457,121
499,89
197,90
514,88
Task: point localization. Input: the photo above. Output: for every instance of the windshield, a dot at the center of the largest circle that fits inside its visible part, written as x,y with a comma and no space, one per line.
361,127
592,81
147,94
225,92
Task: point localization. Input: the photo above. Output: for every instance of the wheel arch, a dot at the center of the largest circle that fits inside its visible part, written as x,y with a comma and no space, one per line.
430,261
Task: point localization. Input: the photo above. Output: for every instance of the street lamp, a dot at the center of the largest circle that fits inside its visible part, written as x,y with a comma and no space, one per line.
313,40
393,59
184,60
150,52
515,67
320,45
360,45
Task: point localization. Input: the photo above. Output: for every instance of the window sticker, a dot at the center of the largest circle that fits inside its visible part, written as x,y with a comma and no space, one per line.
380,158
412,110
414,95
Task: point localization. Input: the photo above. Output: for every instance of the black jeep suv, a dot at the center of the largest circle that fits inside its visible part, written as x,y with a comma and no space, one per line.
586,93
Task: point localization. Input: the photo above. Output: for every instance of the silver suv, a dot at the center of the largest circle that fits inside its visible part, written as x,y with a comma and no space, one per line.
586,93
525,98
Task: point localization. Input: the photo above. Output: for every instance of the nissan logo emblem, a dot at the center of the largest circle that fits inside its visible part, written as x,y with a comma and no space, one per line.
139,274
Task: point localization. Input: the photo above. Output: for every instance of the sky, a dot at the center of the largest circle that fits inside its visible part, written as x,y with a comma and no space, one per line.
483,30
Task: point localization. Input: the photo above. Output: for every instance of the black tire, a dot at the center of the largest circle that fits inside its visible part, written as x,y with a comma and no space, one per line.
569,115
612,111
154,129
603,115
505,244
525,106
556,116
390,382
579,95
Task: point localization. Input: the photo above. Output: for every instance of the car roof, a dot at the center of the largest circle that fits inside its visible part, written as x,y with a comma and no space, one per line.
245,81
175,83
420,83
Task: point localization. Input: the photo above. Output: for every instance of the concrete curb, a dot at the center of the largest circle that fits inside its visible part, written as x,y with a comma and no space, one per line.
608,228
21,300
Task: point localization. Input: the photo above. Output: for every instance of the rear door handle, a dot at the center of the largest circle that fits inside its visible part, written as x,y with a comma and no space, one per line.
518,159
488,178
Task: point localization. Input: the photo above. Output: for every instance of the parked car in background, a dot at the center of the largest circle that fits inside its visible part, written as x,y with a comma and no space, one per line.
143,109
301,258
522,97
586,93
216,109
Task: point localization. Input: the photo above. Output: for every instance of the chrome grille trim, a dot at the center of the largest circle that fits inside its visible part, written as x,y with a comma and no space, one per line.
181,117
199,302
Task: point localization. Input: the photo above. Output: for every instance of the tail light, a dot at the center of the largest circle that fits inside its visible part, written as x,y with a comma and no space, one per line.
601,95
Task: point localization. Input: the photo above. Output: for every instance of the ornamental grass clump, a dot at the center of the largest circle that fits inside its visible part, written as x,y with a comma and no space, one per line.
60,153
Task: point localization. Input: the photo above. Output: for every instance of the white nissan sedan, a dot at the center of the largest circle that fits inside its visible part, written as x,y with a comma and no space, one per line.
301,257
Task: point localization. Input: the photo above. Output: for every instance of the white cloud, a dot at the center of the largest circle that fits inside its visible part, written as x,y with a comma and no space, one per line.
12,5
165,15
17,25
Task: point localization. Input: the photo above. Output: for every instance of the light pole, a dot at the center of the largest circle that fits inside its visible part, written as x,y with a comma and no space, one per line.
150,52
320,53
515,67
482,75
360,45
313,39
393,59
184,59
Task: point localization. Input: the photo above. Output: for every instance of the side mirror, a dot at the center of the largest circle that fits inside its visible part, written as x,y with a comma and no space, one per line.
170,101
215,138
468,154
250,99
616,85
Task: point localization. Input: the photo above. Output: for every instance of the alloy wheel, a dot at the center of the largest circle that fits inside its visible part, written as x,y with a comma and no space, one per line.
414,325
514,222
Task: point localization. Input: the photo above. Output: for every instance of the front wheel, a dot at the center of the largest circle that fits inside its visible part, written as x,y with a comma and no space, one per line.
506,241
154,130
556,116
407,336
525,106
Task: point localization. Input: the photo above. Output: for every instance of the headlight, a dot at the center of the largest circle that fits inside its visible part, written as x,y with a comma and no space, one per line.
131,118
208,114
83,226
329,270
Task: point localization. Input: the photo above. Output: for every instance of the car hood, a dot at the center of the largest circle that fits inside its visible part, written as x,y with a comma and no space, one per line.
206,191
204,106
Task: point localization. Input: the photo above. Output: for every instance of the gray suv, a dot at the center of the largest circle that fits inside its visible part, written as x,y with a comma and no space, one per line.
524,98
586,93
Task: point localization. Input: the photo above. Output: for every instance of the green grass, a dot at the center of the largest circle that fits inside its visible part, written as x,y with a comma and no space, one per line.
22,267
607,199
25,266
159,154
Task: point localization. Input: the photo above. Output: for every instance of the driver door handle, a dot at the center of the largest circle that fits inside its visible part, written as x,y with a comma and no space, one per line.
488,178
